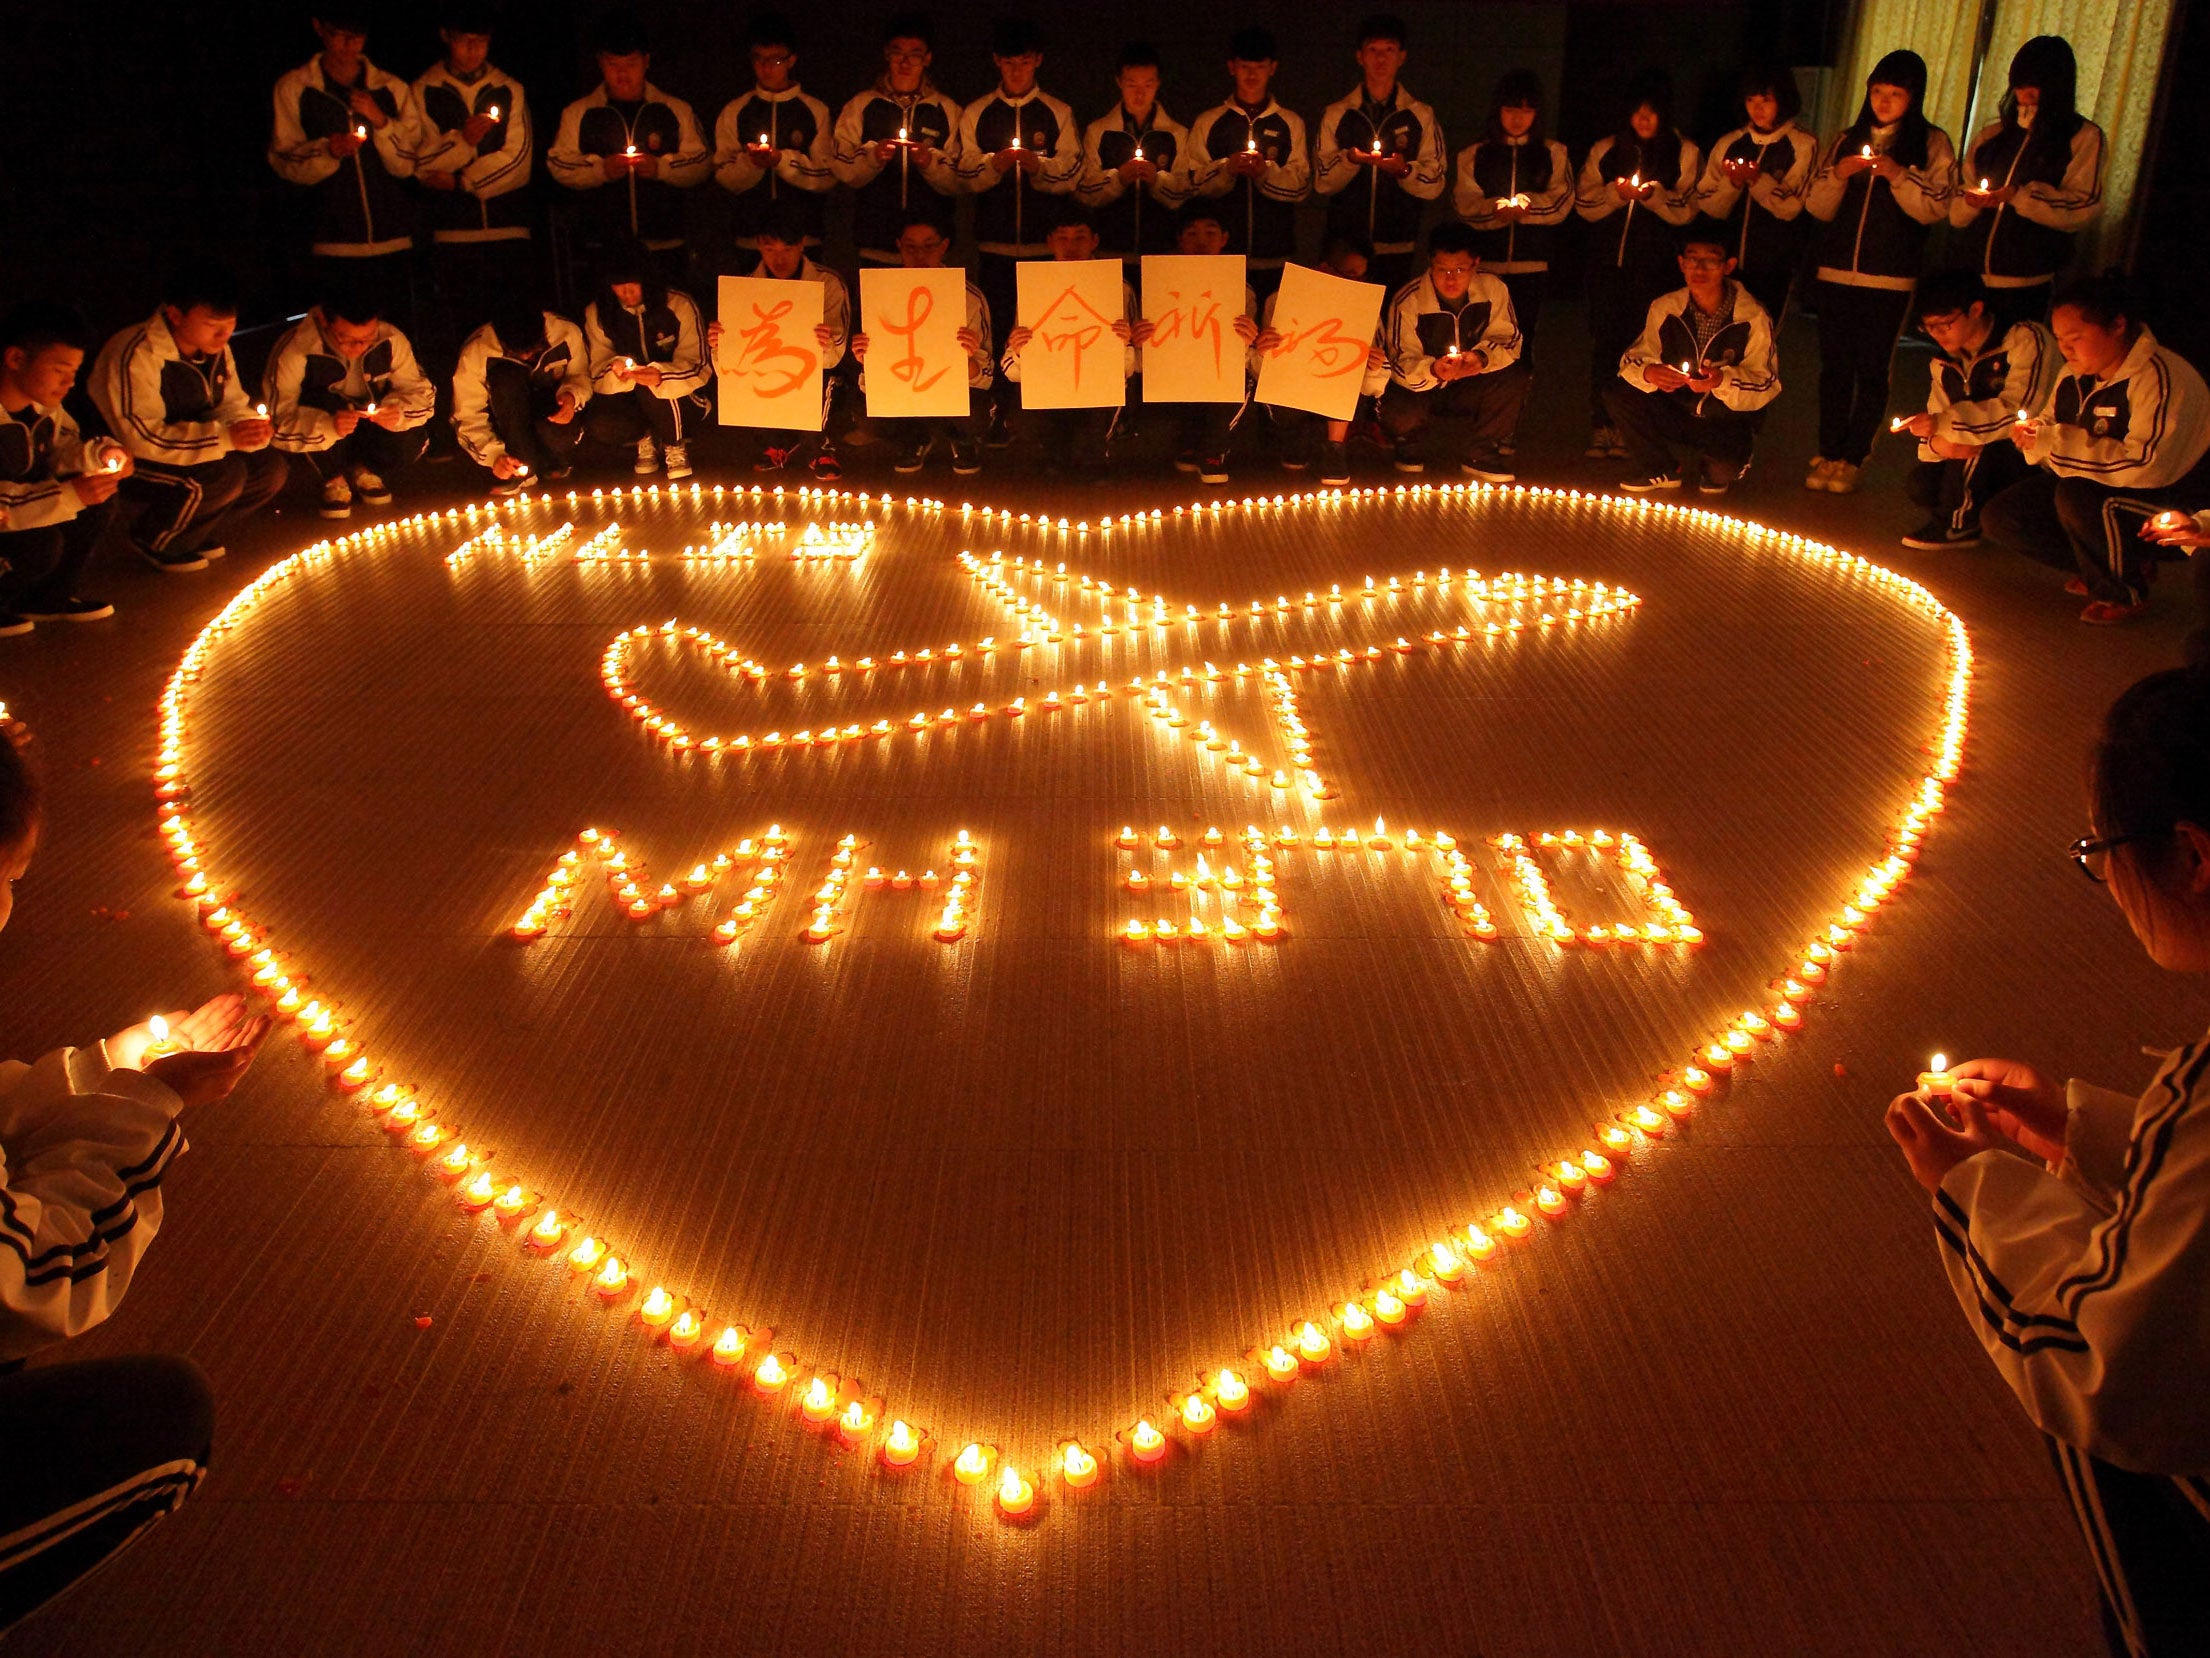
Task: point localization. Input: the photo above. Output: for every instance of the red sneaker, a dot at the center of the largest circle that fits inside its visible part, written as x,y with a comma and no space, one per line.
2077,588
2103,613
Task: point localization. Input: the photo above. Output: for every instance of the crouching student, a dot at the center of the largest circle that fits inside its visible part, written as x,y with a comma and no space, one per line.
648,363
922,245
1297,430
1453,350
1201,430
1699,377
99,1450
1075,440
343,390
169,391
780,238
56,487
519,394
1985,376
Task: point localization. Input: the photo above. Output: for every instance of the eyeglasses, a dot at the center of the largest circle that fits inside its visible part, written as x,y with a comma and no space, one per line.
2093,856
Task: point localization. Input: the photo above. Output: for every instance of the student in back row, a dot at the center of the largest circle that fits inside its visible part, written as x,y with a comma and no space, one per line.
897,145
772,147
630,150
1380,155
478,142
1250,157
1756,183
1135,164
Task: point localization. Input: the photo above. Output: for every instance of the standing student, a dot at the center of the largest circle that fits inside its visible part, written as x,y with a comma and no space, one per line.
1201,430
783,258
56,487
630,151
1984,377
519,394
648,364
1453,348
1884,180
1075,440
475,168
1018,149
1380,154
1135,164
2071,1218
921,247
2123,438
1346,257
2030,183
1515,187
346,133
1755,183
169,392
343,389
1250,154
100,1449
771,147
1637,185
1698,378
897,146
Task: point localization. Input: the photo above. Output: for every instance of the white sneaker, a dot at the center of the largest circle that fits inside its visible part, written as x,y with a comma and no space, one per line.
337,498
679,460
648,458
370,488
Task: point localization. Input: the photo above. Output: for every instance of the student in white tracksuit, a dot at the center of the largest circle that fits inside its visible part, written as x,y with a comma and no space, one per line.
91,1453
2074,1221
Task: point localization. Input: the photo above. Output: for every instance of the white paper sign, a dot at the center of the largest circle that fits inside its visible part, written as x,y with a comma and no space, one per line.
1194,354
1073,360
915,363
767,368
1326,326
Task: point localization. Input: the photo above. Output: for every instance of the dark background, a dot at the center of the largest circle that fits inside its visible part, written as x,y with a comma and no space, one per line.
120,144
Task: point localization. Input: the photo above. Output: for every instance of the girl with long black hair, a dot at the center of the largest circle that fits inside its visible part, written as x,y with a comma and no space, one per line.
1636,183
1884,182
1755,183
2030,184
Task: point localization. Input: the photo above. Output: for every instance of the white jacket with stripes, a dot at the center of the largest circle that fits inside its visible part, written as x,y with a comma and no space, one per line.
2146,426
165,407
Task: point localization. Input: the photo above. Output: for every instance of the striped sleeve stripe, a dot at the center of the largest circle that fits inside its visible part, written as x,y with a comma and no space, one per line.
79,1261
153,434
2154,439
162,1487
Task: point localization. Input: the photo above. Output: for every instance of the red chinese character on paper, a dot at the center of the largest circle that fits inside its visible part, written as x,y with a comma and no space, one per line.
1327,349
1071,323
910,368
761,347
1196,319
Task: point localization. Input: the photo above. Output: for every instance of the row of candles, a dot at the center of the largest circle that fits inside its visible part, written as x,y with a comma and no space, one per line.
1226,1391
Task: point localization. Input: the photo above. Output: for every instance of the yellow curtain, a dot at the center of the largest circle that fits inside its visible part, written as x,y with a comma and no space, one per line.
1942,32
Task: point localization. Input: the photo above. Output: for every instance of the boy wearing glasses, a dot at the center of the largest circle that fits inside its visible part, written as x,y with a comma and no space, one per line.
771,146
896,146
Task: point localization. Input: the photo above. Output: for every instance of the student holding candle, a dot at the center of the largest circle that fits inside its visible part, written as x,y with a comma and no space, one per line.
1637,183
56,487
2072,1217
169,392
771,147
519,394
478,144
1885,180
1251,154
1135,164
2123,438
921,247
1453,349
1380,154
1346,257
1984,377
95,1451
1698,378
1019,148
346,133
648,364
1755,184
343,389
897,146
630,150
2030,183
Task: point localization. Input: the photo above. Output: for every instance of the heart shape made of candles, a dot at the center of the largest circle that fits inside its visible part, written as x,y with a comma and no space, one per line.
946,746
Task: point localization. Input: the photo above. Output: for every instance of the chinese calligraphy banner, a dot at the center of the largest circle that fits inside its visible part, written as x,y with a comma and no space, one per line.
1326,326
767,368
916,366
1073,359
1193,354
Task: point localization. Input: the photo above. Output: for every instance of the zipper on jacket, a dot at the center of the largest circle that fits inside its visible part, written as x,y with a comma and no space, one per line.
1987,256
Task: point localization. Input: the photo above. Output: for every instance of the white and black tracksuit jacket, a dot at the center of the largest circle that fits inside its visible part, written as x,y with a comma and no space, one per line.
885,193
1261,211
360,211
40,451
166,408
1741,353
2143,429
488,201
1365,200
1138,221
2057,192
1009,220
798,126
307,382
1873,233
1976,399
561,363
1763,223
595,127
1490,173
1418,328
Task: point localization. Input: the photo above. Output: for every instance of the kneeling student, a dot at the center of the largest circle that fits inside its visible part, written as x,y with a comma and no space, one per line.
1075,439
780,240
1453,349
1344,256
518,396
1985,376
1699,377
1201,429
922,245
648,363
56,488
344,390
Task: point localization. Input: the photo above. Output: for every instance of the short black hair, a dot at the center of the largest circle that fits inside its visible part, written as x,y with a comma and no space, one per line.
1200,211
519,322
1451,236
1943,292
1776,81
2103,300
2150,769
22,799
350,301
33,325
620,34
1139,54
201,284
1346,241
1383,26
911,25
770,29
468,17
626,260
1705,234
1014,37
349,15
1253,45
781,223
1072,213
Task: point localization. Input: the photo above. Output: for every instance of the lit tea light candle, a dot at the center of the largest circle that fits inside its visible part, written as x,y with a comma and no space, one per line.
972,1465
772,1374
547,1232
856,1422
1355,1322
1445,1263
1076,1466
1313,1344
1389,1309
1198,1415
612,1278
658,1309
1937,1082
1145,1443
1279,1363
729,1346
159,1042
818,1403
685,1332
1512,1223
1016,1496
901,1446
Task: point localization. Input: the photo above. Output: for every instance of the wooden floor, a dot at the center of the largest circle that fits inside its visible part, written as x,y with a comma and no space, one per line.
1025,1185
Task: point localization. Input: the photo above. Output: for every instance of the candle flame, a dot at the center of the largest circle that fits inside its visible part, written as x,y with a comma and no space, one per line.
1940,1062
160,1028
